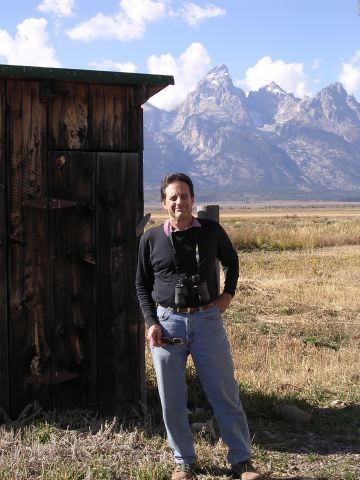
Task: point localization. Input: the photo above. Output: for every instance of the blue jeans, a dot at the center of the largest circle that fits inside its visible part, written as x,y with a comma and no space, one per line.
205,340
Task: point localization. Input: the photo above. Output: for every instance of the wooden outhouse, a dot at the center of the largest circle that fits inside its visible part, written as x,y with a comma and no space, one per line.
71,197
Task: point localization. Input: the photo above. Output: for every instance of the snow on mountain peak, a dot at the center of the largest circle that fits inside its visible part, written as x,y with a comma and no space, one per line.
274,88
217,76
268,144
220,70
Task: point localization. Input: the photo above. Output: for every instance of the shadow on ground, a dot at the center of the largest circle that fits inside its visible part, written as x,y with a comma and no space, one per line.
332,430
329,430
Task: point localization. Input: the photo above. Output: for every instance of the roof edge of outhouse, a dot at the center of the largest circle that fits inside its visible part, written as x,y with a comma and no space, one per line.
88,76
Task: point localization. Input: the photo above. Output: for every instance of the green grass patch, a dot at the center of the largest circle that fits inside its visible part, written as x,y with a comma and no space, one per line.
41,432
320,342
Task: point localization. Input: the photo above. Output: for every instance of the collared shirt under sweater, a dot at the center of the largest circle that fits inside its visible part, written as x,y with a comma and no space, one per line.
156,274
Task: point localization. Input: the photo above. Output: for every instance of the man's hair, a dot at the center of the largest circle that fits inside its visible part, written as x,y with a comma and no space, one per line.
175,177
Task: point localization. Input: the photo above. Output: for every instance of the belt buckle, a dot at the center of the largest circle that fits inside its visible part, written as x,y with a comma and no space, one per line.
183,309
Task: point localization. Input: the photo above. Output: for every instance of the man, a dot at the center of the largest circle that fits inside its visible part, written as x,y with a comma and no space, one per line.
177,289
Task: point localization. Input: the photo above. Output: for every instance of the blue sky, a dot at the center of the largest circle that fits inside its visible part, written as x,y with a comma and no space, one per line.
303,45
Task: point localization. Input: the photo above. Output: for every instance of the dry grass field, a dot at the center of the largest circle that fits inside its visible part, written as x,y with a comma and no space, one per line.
294,329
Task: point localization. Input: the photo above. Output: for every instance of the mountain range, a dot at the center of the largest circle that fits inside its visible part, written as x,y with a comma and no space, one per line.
266,145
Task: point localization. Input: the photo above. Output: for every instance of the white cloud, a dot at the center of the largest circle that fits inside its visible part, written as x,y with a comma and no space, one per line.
61,8
30,46
350,74
129,67
194,14
187,70
316,64
289,76
356,57
129,24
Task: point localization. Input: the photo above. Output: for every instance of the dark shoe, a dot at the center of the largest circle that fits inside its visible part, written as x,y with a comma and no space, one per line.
245,471
183,471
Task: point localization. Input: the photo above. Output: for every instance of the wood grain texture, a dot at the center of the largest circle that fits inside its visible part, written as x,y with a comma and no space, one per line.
118,325
70,334
4,367
28,253
73,280
68,117
113,119
141,336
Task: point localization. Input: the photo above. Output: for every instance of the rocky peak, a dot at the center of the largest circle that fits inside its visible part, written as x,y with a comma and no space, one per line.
334,90
269,143
333,101
218,77
217,85
333,110
274,88
264,103
215,95
331,98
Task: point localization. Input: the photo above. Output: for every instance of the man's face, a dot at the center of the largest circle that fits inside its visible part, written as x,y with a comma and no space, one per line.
178,202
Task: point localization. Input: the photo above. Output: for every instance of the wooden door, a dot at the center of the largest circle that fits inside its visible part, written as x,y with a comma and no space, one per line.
118,329
73,279
92,233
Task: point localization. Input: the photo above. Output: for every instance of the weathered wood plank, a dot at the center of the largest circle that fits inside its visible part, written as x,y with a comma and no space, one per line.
73,279
140,213
28,259
68,117
118,325
4,367
113,119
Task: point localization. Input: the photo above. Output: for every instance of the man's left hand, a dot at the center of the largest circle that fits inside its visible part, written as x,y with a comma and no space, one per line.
223,301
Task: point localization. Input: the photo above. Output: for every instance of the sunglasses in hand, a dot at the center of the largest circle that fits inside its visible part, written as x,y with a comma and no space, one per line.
172,341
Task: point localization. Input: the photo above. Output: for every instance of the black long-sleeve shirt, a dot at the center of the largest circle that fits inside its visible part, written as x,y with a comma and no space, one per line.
156,274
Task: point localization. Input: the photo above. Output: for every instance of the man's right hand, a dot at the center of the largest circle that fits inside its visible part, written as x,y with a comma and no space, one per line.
154,336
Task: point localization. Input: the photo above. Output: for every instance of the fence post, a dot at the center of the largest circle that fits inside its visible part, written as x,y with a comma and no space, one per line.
211,212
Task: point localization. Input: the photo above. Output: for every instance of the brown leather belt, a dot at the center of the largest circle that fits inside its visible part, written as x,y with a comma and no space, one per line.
191,309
